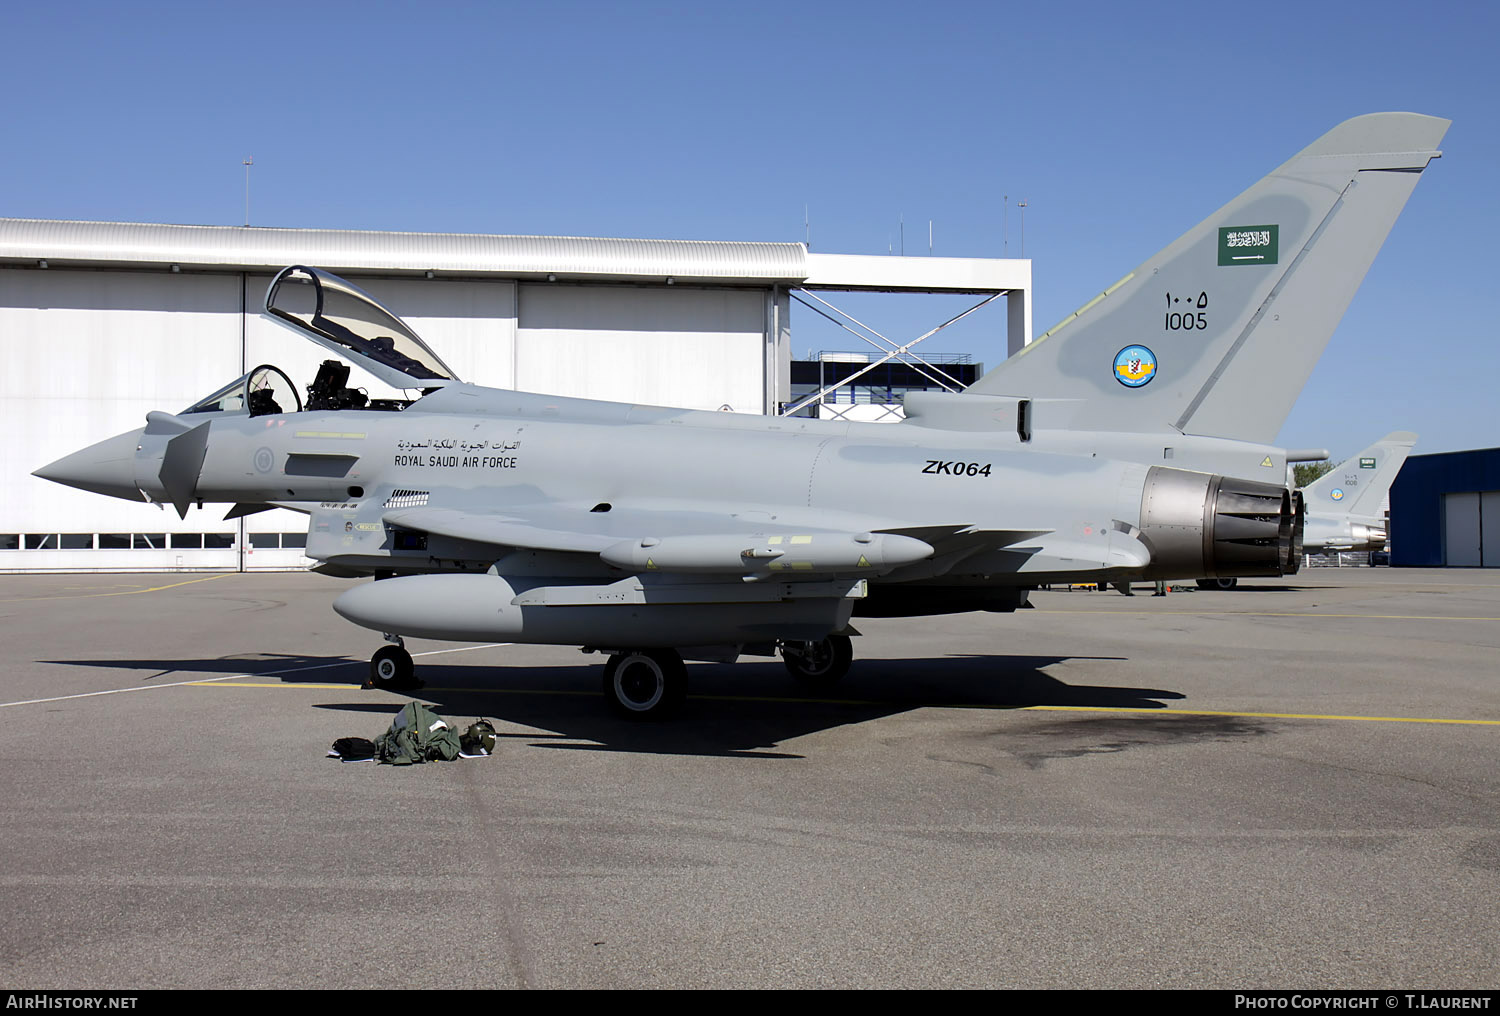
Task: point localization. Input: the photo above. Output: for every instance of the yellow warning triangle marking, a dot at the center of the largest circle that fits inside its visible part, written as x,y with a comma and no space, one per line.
1267,461
650,565
862,562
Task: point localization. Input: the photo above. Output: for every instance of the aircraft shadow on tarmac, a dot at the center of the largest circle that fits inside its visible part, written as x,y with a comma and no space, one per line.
737,710
271,664
1245,586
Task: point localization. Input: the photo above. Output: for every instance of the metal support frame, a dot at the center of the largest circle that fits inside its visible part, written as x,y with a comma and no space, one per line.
840,412
889,347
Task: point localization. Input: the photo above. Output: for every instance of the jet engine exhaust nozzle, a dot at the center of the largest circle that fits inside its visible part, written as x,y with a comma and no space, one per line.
1209,526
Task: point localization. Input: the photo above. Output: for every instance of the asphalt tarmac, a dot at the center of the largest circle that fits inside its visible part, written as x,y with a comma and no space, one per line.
1289,785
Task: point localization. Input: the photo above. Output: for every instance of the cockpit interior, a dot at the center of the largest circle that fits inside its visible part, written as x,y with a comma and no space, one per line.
347,321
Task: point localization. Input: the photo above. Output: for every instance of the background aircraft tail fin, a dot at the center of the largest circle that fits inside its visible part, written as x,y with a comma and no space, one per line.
1358,485
1217,333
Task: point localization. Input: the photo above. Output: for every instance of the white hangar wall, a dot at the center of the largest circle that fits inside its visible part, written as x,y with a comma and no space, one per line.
87,355
700,349
100,323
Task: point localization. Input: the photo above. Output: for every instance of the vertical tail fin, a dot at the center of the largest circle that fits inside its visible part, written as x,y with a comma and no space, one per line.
1359,484
1217,334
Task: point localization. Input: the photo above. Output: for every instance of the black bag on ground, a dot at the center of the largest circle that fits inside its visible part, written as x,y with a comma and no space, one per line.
354,749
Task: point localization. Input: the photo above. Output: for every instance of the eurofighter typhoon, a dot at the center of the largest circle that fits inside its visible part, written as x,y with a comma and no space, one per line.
655,534
1345,505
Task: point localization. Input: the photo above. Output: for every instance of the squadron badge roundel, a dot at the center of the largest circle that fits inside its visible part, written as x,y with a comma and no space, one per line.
1336,493
1135,366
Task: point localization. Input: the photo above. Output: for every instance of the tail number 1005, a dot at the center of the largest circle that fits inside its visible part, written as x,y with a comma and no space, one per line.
1186,320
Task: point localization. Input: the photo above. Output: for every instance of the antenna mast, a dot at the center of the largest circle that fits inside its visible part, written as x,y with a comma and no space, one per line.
247,162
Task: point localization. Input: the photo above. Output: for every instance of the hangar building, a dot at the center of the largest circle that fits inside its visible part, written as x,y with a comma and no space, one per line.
103,322
1445,510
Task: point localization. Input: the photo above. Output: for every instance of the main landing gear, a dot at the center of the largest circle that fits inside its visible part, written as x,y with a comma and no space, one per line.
819,664
651,684
640,684
645,684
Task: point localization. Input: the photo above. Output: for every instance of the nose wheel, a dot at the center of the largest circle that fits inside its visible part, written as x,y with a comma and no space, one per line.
391,669
645,684
819,664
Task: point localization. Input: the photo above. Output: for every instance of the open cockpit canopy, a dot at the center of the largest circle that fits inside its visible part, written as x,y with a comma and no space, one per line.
348,321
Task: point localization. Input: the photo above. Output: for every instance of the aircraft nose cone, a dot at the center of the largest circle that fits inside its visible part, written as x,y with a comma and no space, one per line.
104,468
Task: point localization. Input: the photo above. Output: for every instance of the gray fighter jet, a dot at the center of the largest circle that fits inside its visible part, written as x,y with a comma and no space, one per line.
656,534
1344,504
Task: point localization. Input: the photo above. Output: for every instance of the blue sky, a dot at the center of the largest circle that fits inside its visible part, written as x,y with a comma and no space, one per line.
1119,125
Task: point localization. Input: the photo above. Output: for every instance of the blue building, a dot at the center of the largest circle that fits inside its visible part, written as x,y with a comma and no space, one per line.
1445,510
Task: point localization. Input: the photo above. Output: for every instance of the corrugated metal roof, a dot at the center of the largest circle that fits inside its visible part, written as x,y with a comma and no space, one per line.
256,247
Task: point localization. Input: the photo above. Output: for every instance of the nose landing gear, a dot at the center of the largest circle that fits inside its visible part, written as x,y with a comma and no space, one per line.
391,669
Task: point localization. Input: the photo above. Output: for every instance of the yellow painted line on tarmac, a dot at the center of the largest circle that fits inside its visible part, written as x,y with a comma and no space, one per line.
1117,709
1271,716
420,692
1129,709
225,682
127,592
1138,710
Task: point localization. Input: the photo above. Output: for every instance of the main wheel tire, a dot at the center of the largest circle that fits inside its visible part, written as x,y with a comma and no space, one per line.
1218,583
819,664
645,684
391,669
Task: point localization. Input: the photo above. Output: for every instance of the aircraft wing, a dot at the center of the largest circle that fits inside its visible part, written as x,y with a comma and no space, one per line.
653,540
535,530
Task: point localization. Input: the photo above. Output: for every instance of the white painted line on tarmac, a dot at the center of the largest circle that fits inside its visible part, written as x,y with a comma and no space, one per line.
233,677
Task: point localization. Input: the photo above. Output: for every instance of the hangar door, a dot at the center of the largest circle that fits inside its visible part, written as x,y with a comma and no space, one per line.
700,348
1471,529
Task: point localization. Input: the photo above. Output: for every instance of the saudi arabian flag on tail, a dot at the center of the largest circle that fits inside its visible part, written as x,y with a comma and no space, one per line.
1247,245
